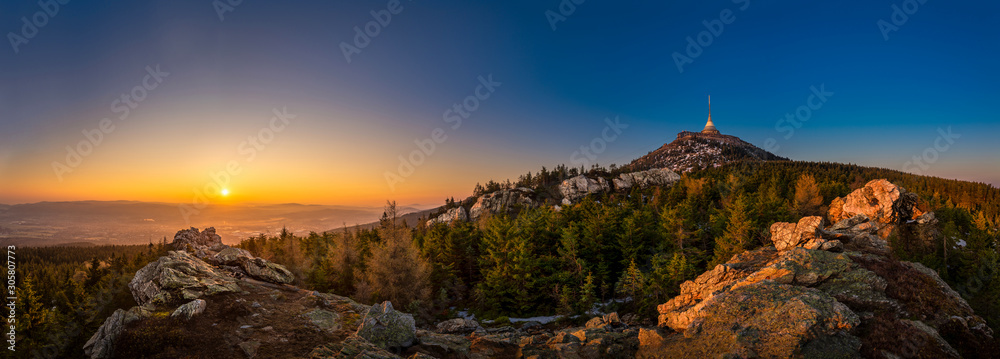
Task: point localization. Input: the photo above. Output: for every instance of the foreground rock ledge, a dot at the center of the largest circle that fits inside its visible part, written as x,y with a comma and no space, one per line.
824,292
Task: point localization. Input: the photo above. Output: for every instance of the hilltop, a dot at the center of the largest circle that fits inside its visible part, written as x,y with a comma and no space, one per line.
695,150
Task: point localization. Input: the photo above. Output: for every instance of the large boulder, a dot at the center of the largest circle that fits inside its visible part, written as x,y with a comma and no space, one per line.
580,186
202,244
102,344
502,201
882,202
767,319
231,256
191,309
387,328
179,276
643,179
266,271
790,235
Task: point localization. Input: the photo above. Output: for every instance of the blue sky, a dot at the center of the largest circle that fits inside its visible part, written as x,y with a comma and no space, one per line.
604,60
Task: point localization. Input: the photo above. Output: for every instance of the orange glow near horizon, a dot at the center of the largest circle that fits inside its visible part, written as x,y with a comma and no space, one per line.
312,161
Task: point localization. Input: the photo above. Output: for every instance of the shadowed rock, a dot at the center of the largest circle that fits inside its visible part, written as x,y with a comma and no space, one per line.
387,328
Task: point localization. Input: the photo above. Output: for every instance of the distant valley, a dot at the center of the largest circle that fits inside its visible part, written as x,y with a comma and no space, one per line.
133,222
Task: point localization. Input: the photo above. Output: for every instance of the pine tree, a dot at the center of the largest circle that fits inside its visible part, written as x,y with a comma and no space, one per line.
587,294
632,283
736,237
807,197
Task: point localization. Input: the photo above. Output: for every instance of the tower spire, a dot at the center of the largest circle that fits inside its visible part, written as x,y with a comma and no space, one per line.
709,126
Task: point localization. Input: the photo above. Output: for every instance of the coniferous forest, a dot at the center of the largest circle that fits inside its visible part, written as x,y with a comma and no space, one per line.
624,252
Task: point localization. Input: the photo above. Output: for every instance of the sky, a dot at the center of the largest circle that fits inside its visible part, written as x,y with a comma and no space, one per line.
357,102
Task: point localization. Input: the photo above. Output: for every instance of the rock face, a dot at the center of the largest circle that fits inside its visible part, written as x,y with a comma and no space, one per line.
455,214
200,243
102,343
502,201
266,271
804,298
642,179
580,186
387,328
177,277
791,235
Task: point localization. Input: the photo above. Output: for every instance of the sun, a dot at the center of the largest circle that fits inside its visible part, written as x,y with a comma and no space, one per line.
225,192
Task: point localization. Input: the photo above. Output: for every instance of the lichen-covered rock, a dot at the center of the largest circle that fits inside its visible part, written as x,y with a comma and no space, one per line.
179,276
874,200
643,179
766,319
231,256
455,214
679,312
355,347
102,344
502,201
801,299
788,235
580,186
442,345
458,326
202,244
387,328
266,271
324,319
190,309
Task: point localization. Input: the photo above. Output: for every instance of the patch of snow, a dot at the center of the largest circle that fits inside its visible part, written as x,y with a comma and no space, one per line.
961,243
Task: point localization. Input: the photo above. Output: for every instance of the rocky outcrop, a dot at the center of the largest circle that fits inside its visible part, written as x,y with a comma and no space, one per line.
455,214
643,179
580,186
246,301
883,203
805,233
102,343
179,276
830,292
202,244
502,201
387,328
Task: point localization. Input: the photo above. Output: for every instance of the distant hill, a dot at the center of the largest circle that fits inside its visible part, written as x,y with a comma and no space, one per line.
694,150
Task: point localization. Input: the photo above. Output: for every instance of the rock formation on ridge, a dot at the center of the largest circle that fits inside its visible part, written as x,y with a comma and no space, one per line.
832,292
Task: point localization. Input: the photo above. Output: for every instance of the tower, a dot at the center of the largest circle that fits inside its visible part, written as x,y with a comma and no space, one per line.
709,126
